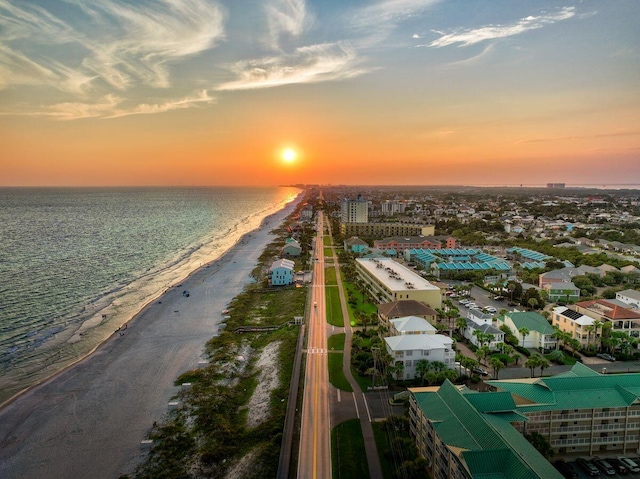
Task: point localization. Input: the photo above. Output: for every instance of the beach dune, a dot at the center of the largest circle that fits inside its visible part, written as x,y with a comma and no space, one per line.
88,421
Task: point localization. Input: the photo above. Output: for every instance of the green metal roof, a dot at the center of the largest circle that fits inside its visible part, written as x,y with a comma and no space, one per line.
492,402
532,321
493,447
579,391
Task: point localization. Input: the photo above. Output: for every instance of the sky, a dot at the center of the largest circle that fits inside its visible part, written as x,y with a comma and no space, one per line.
407,92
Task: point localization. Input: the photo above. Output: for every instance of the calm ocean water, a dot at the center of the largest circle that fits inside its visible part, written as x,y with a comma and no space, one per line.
75,262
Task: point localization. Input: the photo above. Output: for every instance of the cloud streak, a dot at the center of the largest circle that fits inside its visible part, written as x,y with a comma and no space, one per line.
492,32
580,137
306,65
286,18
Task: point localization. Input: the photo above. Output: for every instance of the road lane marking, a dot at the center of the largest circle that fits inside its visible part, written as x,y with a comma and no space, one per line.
366,405
356,404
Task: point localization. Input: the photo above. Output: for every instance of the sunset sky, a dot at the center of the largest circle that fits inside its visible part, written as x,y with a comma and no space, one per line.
204,92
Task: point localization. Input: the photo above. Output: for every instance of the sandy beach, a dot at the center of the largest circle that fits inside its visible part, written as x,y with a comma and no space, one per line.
88,421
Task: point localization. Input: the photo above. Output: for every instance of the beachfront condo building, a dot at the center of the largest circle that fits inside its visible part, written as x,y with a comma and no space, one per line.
386,280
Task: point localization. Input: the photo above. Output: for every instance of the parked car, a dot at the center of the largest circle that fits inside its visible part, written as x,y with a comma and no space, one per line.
606,356
566,469
480,371
490,309
588,467
499,298
618,465
465,301
630,463
605,467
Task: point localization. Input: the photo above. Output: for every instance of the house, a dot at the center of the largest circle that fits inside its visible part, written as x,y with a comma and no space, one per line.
630,297
401,243
356,245
579,325
630,269
291,248
486,328
623,319
404,308
281,272
540,333
464,434
564,291
410,349
410,325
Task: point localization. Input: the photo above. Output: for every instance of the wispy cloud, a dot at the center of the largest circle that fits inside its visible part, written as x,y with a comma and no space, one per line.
306,65
492,32
111,50
286,17
114,106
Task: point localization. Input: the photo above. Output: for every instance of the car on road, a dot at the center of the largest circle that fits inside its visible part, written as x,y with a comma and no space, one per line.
606,356
565,469
480,371
464,301
490,309
588,467
630,463
605,467
499,298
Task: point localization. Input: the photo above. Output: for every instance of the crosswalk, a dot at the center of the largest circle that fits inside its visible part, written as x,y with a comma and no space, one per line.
317,351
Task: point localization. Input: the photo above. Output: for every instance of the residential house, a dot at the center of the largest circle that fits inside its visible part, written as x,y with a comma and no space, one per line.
291,248
410,325
562,291
404,308
577,324
540,333
630,297
485,328
410,349
281,272
356,245
622,319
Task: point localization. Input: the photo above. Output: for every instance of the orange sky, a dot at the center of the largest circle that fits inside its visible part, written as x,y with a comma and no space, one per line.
413,92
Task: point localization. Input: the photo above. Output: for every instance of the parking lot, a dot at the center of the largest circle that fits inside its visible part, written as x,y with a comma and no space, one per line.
583,474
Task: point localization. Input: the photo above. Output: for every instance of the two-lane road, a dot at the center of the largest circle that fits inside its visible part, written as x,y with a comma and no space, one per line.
315,440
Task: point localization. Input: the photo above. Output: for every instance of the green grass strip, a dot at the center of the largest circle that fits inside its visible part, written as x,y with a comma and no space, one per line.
336,342
336,374
334,308
326,240
347,446
382,444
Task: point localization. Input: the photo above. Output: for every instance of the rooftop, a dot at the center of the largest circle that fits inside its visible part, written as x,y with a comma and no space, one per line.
395,276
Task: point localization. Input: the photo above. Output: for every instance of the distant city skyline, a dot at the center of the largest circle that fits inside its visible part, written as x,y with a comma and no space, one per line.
406,92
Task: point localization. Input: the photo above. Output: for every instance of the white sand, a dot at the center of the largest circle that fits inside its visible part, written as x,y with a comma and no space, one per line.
268,380
88,421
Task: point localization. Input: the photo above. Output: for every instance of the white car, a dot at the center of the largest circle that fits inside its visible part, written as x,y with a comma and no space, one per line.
491,309
464,301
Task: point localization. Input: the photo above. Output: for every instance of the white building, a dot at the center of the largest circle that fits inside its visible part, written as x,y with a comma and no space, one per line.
630,297
355,211
410,325
391,207
387,281
281,272
410,349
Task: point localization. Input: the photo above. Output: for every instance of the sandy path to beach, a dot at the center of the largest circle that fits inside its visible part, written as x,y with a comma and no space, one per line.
88,421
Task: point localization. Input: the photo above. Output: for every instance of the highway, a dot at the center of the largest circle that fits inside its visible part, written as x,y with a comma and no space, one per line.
314,461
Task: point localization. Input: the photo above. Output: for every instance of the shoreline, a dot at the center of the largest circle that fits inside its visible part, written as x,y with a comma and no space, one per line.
124,322
104,388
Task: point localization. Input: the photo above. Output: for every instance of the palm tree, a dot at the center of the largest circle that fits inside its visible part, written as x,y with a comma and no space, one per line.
399,370
543,363
523,331
497,365
533,302
422,368
589,329
532,363
482,353
461,324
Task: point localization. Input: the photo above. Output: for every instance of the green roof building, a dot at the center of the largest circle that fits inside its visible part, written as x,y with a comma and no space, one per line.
464,434
580,412
539,331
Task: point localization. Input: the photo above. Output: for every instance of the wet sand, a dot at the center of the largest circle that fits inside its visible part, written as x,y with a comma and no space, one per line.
88,421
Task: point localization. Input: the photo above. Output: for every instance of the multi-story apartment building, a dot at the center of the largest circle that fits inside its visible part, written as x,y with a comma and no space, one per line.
387,280
464,434
403,243
354,211
581,412
622,319
378,230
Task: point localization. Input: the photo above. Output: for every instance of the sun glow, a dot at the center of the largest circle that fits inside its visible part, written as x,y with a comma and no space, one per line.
289,155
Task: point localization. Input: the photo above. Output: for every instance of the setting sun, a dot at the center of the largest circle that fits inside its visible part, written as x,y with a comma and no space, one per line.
288,155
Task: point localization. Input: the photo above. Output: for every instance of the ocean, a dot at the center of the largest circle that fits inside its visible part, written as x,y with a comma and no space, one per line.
77,263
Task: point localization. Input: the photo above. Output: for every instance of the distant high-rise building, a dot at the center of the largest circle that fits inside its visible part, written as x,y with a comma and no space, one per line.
555,185
355,211
391,207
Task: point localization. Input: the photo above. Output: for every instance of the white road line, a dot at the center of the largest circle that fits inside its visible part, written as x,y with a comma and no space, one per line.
338,395
366,405
356,404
